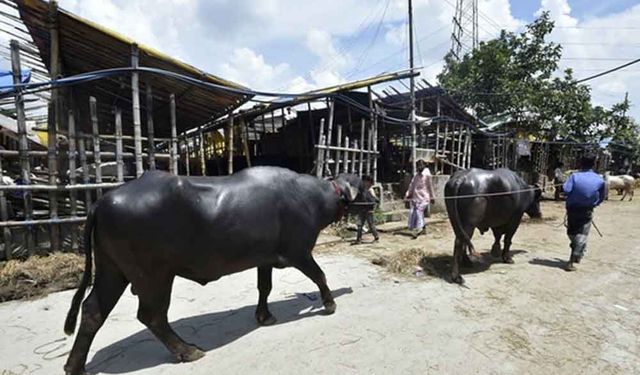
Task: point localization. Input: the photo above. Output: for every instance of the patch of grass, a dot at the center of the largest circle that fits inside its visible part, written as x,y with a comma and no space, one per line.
40,275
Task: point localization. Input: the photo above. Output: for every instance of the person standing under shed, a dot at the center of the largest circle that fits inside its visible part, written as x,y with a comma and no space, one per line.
366,213
584,190
419,195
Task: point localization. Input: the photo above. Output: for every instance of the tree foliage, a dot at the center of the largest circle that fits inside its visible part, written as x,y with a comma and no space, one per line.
514,75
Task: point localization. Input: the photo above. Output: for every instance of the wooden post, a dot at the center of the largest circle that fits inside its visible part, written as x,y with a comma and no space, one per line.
328,139
320,158
203,161
4,216
119,164
362,129
93,110
173,158
444,143
54,120
438,144
23,141
369,148
459,157
244,133
374,172
345,161
187,153
150,131
230,146
137,127
72,175
82,147
336,167
353,157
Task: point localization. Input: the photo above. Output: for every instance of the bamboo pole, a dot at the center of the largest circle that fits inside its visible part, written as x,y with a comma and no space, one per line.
203,162
244,133
230,146
369,148
362,127
187,159
29,223
135,92
375,150
459,156
72,176
85,171
444,143
328,140
23,141
354,157
93,109
119,163
173,163
105,185
336,167
345,161
150,130
54,121
4,216
438,166
320,158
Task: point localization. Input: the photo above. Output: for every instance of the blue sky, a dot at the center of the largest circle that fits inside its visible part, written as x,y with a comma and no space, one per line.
298,45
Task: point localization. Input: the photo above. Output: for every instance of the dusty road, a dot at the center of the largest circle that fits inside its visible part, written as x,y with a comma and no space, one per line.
528,318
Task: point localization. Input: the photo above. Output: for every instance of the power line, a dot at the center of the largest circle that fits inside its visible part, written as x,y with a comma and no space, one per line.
608,71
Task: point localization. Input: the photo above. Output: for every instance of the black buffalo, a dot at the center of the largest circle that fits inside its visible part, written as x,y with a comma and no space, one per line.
160,226
483,199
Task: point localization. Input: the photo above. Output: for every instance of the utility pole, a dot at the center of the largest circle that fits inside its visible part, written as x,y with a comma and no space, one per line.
412,116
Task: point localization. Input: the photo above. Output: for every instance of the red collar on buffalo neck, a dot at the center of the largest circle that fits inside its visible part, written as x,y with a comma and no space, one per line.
342,205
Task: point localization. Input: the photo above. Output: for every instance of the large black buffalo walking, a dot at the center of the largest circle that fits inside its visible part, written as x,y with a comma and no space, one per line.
497,199
160,226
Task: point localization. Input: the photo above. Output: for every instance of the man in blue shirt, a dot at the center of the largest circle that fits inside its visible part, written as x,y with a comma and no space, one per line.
584,190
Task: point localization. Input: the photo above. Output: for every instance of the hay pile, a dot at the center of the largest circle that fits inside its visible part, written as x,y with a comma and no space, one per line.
40,275
416,262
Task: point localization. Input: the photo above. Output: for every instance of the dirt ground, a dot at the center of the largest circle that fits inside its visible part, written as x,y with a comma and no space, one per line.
531,317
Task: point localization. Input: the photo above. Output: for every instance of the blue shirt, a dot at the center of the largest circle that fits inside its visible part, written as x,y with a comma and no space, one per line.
584,189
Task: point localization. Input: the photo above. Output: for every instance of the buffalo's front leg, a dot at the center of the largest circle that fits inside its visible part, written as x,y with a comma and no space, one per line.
152,312
263,316
312,270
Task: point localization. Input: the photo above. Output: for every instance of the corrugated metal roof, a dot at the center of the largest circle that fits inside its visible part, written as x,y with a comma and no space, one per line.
86,46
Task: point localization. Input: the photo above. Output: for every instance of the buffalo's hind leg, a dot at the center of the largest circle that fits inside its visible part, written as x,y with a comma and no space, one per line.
312,270
263,315
496,251
107,288
506,256
458,256
154,299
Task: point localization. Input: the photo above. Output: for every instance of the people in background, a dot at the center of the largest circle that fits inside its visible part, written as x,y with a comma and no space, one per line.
558,180
584,190
366,214
419,195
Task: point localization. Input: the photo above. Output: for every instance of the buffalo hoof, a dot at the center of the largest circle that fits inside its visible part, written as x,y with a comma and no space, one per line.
330,307
266,319
457,279
68,371
192,354
466,262
508,260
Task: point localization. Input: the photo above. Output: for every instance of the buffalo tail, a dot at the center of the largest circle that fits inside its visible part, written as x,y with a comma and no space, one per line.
72,315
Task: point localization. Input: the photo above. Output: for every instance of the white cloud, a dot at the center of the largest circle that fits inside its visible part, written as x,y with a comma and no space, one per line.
248,68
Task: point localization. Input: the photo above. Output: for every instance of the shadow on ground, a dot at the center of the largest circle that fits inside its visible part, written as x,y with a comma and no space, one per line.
208,331
440,265
553,263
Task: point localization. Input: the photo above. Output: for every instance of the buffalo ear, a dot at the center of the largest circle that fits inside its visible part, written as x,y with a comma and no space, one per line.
351,192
